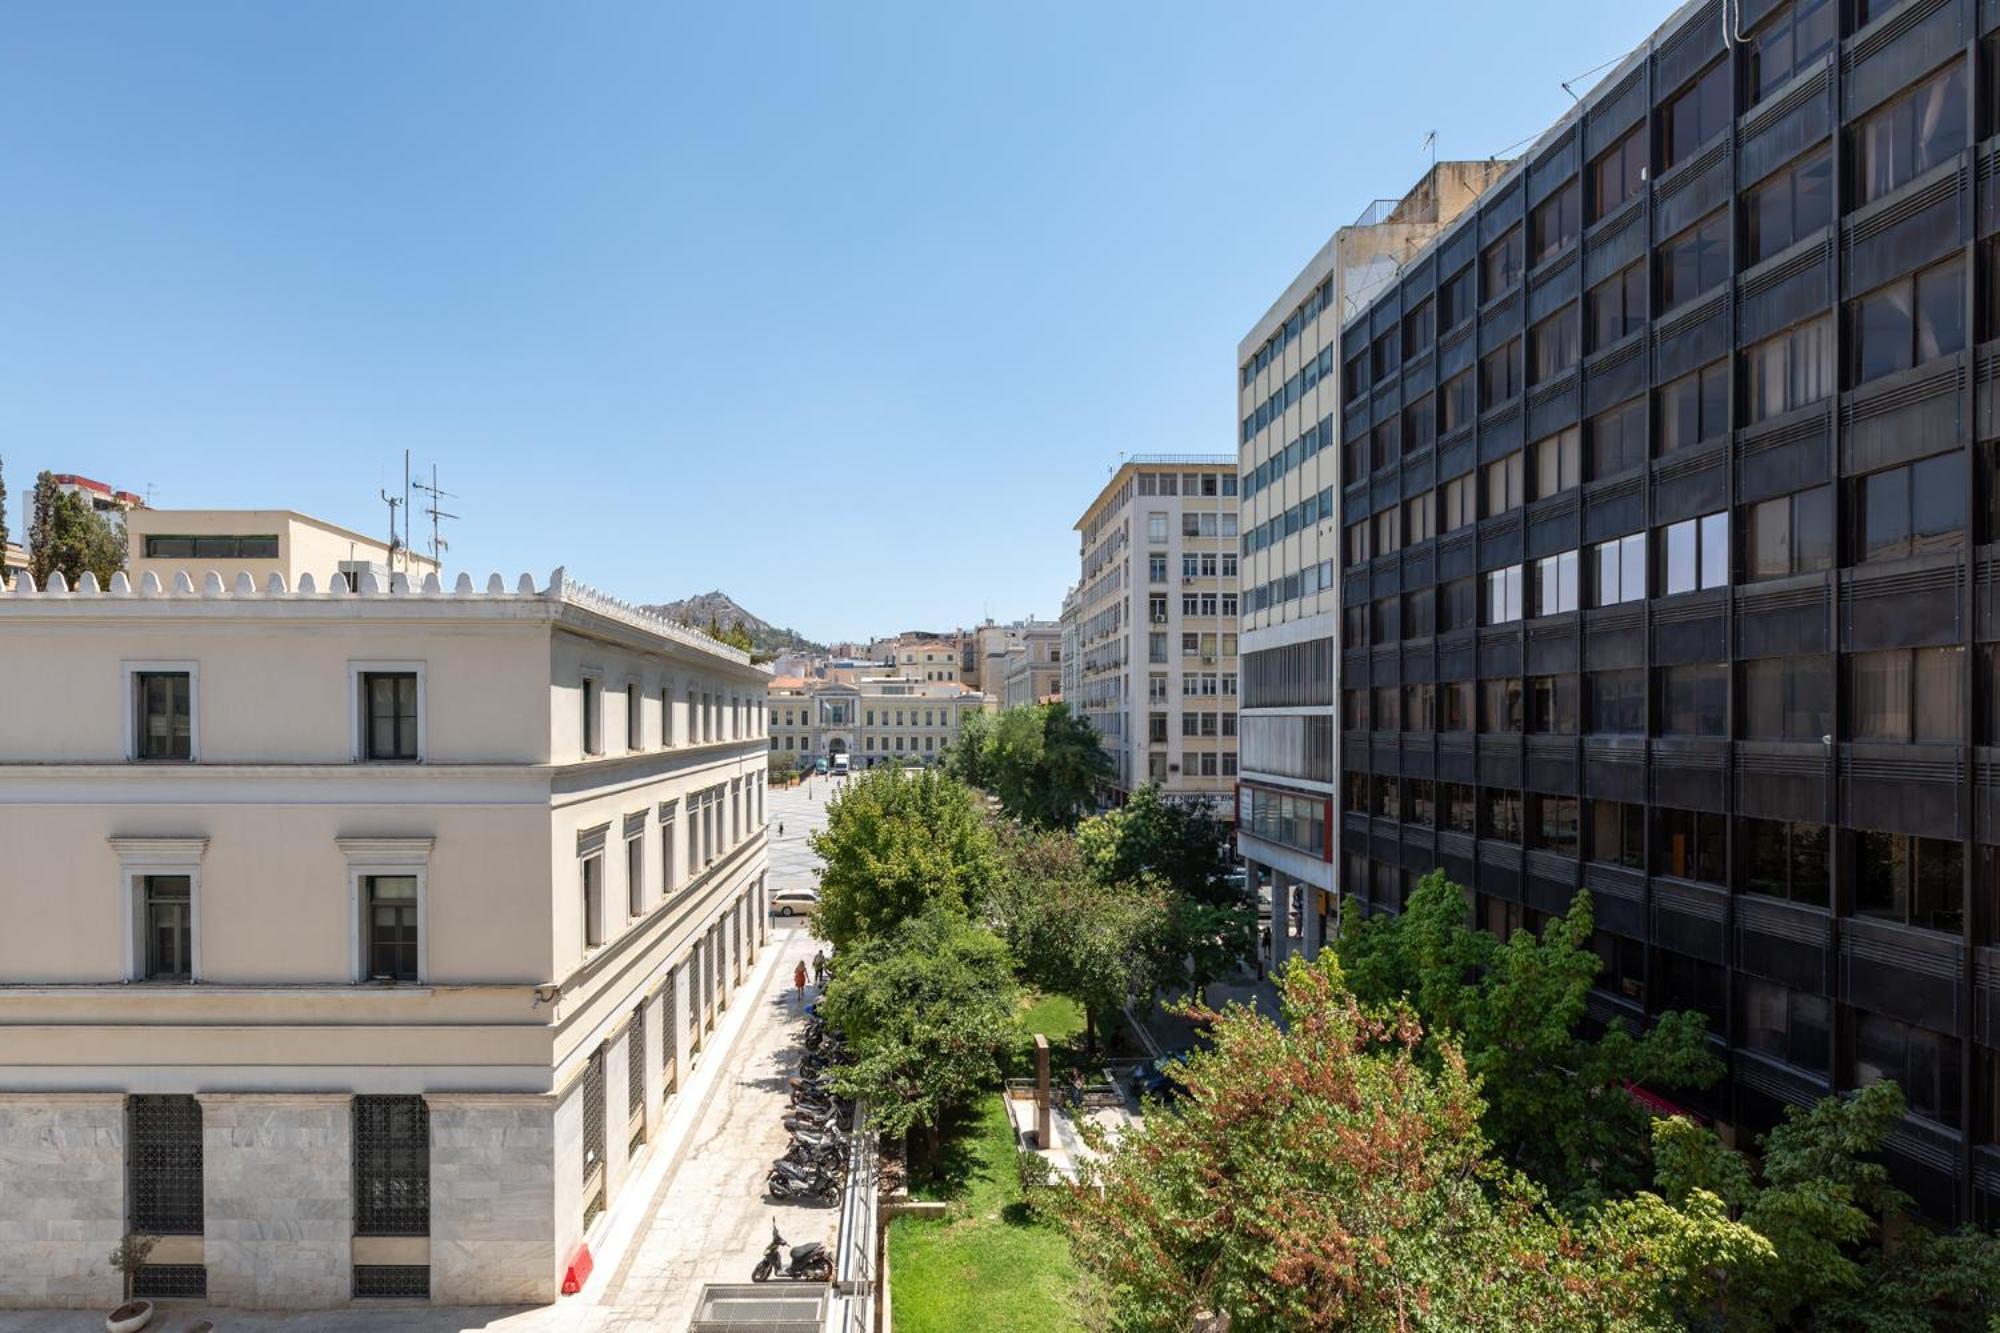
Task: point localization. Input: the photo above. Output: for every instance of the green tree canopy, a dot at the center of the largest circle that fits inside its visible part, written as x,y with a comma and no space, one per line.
1328,1173
1557,1105
1043,763
66,534
965,757
926,1009
1073,933
896,842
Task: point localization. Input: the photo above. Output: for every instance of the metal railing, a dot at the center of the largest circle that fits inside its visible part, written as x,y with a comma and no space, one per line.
852,1307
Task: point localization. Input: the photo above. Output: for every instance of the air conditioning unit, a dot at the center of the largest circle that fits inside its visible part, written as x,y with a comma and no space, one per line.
1159,620
1187,578
1207,660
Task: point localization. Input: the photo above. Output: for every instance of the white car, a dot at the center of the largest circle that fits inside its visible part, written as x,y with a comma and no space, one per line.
794,902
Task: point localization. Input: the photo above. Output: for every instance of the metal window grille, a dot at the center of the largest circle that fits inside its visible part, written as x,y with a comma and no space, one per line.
593,1115
171,1282
391,1280
635,1061
667,1031
164,1165
392,1166
708,970
736,940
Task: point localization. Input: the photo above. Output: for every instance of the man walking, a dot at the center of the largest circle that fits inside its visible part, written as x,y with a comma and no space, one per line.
819,970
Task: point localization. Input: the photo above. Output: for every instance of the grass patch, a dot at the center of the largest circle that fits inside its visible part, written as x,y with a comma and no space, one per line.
988,1265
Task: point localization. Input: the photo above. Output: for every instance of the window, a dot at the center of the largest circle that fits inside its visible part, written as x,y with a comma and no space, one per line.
391,923
1419,614
1618,834
1619,173
1924,1063
1505,484
1696,116
167,911
1558,462
1419,329
1420,424
1556,584
1615,702
1552,705
1555,825
1455,299
1694,261
1694,700
1388,531
1503,595
1909,136
1621,964
1556,222
164,1174
593,901
1792,534
1692,845
1500,374
1908,510
1790,371
1419,708
1418,518
1500,267
592,702
1793,40
1787,699
635,870
1906,694
1156,528
1695,408
389,701
1694,553
1619,570
1455,405
1457,607
1459,814
1790,206
1681,982
1618,439
163,715
1500,705
1787,861
1616,306
1554,345
1458,506
1908,322
1382,446
1500,815
392,1166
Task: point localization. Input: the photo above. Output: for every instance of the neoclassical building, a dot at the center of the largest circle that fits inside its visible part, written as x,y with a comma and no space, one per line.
874,720
357,938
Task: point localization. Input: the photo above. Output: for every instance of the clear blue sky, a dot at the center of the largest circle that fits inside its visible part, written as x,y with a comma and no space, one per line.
843,308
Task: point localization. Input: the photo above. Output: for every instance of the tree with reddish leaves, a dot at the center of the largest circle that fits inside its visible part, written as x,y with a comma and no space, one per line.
1329,1173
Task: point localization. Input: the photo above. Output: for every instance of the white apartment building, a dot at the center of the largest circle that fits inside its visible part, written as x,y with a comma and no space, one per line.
1071,628
1157,625
358,938
1290,455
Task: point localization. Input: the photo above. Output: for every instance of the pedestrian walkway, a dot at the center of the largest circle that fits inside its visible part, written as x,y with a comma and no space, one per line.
1164,1033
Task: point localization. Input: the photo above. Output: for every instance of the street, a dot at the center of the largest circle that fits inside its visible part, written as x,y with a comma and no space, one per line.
702,1215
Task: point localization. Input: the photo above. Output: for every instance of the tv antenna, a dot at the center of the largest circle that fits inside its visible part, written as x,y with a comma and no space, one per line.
438,544
394,504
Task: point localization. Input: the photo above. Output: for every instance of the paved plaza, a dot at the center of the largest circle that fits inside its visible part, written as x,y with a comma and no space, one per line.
696,1214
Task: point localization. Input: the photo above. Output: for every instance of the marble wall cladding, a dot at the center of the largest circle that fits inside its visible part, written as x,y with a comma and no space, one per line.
493,1199
62,1198
278,1207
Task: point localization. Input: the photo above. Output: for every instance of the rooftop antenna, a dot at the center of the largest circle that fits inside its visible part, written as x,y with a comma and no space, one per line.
438,544
394,545
1431,142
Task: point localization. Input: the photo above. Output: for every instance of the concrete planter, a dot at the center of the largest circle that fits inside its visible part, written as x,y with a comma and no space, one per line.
129,1317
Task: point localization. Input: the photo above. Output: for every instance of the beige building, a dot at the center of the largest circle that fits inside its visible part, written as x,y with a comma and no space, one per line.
357,941
1290,454
1157,625
872,720
259,542
989,646
1032,669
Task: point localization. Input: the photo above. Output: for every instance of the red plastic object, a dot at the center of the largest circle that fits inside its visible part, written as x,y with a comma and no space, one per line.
578,1271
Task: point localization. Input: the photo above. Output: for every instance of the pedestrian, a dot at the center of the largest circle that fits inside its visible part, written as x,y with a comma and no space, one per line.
799,983
1263,951
819,969
781,828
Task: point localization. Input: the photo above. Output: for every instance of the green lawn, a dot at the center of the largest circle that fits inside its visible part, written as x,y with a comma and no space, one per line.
988,1265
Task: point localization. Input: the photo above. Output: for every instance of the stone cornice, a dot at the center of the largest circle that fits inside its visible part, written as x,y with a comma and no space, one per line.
135,848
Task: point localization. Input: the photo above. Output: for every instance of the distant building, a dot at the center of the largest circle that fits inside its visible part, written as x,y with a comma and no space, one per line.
104,499
1032,670
1071,627
13,561
259,542
873,719
987,649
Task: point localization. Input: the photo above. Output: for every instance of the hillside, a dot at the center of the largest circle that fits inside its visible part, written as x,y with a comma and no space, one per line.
724,610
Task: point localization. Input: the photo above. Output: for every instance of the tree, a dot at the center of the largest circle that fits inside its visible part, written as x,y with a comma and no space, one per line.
1072,933
964,758
1328,1172
1557,1101
1820,1205
926,1009
897,842
736,636
1043,763
67,535
1210,924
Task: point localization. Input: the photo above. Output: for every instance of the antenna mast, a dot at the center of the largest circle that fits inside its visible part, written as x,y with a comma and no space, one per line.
438,544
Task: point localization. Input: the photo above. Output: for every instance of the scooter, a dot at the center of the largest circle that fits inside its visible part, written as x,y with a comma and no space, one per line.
788,1179
809,1262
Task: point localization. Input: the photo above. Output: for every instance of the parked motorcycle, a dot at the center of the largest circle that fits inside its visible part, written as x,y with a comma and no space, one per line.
788,1179
810,1262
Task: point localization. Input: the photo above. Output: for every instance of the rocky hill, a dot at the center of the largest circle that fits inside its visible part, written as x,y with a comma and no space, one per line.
725,611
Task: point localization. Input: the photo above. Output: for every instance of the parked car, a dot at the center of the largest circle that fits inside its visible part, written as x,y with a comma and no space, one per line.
794,902
1151,1080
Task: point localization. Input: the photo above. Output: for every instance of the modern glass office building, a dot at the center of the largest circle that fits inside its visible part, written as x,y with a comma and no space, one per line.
1669,495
